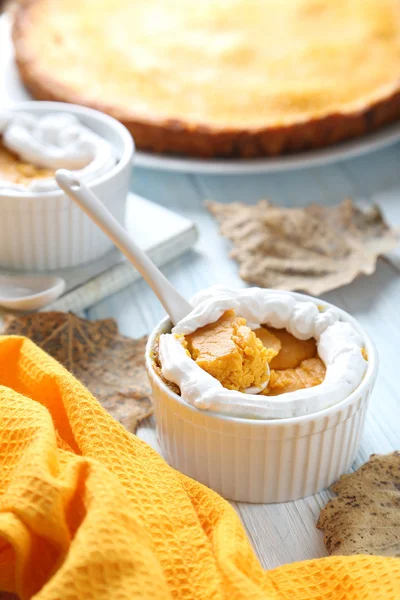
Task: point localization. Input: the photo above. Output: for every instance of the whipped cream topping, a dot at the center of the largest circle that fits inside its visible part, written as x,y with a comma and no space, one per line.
54,141
339,346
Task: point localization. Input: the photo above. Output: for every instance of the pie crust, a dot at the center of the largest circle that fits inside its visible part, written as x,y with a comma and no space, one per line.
237,78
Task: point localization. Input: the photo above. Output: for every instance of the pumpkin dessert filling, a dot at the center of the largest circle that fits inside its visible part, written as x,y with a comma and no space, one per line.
231,352
17,171
241,359
237,356
296,365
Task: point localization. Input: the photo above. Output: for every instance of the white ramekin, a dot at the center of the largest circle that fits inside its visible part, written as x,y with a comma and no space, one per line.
47,231
262,461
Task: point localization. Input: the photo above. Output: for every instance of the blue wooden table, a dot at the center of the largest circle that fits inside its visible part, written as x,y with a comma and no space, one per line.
286,532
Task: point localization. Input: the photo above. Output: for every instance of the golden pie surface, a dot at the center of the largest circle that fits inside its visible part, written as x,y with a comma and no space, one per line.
219,77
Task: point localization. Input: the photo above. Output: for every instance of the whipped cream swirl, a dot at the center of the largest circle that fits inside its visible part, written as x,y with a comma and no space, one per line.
339,346
54,141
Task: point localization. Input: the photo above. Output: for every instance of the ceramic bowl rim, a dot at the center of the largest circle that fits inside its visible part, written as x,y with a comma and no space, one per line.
128,144
368,379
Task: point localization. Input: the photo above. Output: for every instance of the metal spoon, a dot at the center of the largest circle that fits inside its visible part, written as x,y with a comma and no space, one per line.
29,292
175,305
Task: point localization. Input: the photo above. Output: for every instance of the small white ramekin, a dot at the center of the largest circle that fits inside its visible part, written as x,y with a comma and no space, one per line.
47,231
262,461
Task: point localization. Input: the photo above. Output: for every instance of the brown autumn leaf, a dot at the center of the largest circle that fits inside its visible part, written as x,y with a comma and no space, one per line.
110,365
313,249
364,518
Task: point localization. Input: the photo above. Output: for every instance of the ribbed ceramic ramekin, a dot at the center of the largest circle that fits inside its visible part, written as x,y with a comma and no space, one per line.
47,231
262,461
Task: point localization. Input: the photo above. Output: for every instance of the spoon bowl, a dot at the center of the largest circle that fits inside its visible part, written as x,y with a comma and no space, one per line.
29,292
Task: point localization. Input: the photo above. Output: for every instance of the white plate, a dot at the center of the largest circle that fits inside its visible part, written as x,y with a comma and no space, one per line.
12,91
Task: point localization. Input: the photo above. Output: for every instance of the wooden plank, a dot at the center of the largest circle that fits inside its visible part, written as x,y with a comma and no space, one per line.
284,533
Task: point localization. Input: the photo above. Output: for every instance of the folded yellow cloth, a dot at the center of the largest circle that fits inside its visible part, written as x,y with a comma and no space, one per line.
88,511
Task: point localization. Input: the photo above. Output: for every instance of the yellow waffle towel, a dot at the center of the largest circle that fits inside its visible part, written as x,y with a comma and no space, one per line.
88,511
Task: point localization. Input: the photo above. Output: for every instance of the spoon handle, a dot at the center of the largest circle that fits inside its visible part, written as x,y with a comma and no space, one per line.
175,305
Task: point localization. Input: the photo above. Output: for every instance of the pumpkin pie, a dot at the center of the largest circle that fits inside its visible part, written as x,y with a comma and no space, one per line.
296,365
309,373
241,78
231,352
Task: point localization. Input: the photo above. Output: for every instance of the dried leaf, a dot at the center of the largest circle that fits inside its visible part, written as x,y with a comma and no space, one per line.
110,365
313,249
364,518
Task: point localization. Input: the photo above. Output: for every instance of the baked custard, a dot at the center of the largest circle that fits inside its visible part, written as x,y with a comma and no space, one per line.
218,78
257,353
